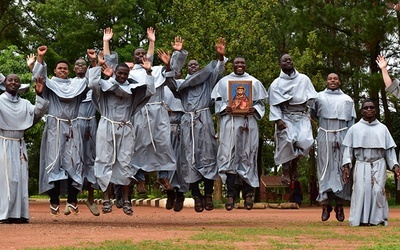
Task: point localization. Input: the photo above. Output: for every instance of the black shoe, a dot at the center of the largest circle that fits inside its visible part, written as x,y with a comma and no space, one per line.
339,213
198,204
326,212
180,198
170,199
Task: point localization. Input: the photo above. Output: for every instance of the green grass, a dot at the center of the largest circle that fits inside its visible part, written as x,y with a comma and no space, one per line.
306,235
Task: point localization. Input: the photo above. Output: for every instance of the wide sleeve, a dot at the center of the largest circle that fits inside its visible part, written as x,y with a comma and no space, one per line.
178,58
275,113
347,156
259,106
94,80
217,73
391,158
39,70
41,106
200,76
394,88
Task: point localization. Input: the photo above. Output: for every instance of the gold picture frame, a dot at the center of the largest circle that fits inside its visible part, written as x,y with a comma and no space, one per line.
240,96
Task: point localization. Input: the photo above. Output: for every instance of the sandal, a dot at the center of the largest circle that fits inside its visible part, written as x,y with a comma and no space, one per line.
55,211
127,208
107,207
230,203
69,208
209,205
248,202
93,208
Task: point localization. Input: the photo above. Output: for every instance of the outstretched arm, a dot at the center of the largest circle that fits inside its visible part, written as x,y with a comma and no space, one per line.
165,58
151,36
30,61
177,44
382,63
91,53
220,47
41,51
107,36
146,64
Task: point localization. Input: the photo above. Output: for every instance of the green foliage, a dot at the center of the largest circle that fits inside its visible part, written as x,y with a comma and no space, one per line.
322,36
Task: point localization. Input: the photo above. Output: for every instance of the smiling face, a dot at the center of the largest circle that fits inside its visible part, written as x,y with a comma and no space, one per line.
80,67
333,81
61,70
12,84
239,65
368,111
193,67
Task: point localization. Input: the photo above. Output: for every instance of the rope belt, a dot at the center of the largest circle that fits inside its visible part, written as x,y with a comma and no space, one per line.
148,121
50,167
326,142
373,179
22,156
85,118
120,124
192,114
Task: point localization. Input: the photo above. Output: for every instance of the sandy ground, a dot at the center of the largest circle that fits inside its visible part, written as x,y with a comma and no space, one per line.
148,223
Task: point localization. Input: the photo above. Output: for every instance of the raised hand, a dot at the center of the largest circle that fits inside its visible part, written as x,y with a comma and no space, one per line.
130,65
91,54
30,60
108,71
39,85
146,63
100,59
220,46
381,61
108,34
151,34
177,44
164,56
41,51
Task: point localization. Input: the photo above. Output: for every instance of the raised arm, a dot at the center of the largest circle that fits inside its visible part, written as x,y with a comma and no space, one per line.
91,53
382,63
107,36
146,64
151,36
30,61
165,58
41,51
220,48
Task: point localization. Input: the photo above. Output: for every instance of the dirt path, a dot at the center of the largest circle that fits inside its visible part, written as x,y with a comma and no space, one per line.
147,223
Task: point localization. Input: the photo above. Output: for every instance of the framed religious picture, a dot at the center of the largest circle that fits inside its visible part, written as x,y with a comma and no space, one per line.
240,96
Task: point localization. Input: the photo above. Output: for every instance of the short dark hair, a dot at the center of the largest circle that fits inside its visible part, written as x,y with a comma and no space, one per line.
367,100
280,57
61,61
122,65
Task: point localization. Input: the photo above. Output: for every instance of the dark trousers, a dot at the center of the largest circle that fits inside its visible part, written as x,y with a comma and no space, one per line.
55,193
231,187
208,187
